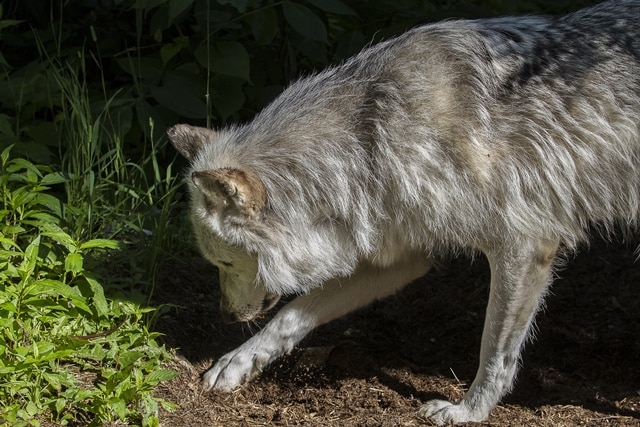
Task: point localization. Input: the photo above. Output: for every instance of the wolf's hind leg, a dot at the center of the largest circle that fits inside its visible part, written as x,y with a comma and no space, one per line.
296,319
520,277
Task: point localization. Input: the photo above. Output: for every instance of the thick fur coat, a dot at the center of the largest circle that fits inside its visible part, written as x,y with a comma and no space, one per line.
509,136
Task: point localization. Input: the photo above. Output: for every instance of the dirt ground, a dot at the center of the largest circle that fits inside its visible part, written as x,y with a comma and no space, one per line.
375,367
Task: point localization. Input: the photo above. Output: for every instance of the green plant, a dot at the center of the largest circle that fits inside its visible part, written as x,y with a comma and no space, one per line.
68,348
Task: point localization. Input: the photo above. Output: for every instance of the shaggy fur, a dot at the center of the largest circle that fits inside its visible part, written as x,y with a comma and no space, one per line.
509,136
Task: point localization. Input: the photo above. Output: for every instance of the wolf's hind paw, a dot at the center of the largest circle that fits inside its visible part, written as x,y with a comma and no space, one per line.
443,412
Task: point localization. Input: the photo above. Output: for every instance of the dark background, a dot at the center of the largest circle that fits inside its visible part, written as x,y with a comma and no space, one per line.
199,61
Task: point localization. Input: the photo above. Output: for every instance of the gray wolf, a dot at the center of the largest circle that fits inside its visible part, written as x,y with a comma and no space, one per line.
511,136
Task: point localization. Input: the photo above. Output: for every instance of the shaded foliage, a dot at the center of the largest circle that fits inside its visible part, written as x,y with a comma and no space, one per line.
202,61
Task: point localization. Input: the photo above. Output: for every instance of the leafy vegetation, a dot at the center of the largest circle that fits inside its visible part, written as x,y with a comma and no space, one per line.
89,190
66,348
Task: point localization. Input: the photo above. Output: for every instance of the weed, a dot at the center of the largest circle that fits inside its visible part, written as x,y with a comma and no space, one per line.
68,348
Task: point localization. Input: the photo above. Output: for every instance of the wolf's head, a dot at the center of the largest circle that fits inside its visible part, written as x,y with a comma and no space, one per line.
277,212
226,202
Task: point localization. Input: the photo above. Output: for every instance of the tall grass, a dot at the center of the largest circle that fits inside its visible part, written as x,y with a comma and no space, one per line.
112,195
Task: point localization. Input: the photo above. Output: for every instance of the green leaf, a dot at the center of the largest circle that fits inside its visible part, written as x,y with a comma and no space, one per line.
32,409
22,197
179,102
229,97
45,347
7,369
35,151
264,25
63,238
46,219
52,203
305,22
8,23
240,5
73,263
349,44
333,6
128,358
170,50
50,356
313,50
177,7
169,406
227,58
99,301
4,156
6,129
20,164
152,421
231,59
182,93
150,70
100,243
12,229
9,306
119,406
57,178
160,375
60,404
28,265
147,5
54,287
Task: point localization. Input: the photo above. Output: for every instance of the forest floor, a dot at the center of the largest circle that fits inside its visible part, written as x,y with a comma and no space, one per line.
376,366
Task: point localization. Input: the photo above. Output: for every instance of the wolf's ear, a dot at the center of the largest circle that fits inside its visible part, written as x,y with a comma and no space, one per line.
238,188
189,140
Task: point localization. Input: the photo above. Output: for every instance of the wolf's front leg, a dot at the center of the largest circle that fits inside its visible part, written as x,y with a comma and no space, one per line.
295,320
519,280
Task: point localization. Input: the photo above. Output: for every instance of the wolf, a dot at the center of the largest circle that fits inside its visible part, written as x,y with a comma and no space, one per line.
514,137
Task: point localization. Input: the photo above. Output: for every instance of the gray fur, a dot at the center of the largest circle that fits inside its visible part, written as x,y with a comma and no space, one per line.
510,136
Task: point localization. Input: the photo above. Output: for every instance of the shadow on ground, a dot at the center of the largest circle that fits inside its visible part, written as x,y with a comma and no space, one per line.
581,369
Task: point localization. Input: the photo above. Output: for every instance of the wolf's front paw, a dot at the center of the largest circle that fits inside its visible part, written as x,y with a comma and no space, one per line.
233,370
442,412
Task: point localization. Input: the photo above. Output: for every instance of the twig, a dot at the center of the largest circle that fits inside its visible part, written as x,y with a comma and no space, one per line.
103,333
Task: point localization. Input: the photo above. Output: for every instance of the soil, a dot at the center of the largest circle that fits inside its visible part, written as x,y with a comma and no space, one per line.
376,366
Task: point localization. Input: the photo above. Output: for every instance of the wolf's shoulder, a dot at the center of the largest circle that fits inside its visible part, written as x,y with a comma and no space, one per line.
537,48
611,23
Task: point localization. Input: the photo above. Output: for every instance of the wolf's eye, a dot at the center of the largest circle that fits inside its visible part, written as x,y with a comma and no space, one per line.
209,205
226,264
